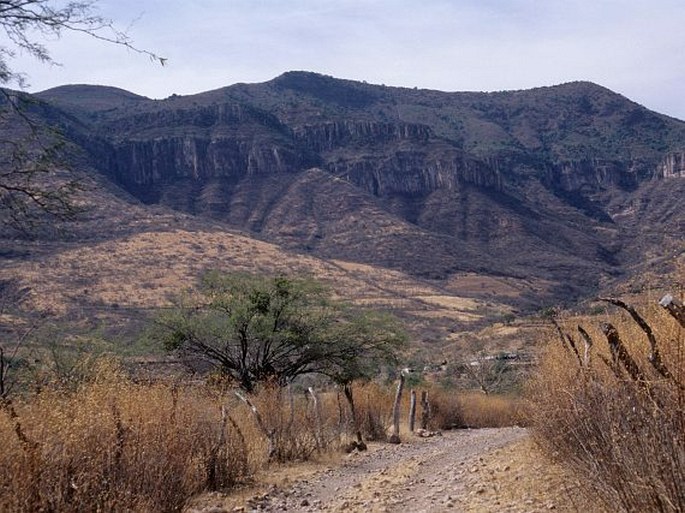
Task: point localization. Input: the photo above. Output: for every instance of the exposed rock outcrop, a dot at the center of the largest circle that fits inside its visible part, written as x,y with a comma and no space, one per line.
592,174
328,136
529,183
415,172
672,166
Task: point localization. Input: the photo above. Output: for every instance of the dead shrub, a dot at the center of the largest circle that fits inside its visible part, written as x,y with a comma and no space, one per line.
614,418
294,427
374,410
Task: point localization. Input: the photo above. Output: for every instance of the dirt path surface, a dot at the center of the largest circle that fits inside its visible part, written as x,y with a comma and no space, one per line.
480,470
470,471
424,474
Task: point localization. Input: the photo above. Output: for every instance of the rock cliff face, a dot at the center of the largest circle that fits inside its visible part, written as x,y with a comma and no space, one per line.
335,134
523,183
595,173
232,142
143,163
672,166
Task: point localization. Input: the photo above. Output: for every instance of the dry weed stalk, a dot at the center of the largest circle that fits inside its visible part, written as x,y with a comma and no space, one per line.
621,427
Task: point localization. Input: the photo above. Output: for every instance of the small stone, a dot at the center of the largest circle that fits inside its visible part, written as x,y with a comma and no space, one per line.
304,503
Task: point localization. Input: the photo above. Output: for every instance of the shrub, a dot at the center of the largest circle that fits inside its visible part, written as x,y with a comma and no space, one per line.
114,445
452,408
619,425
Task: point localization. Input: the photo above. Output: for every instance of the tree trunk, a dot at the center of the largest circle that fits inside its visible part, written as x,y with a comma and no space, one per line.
347,389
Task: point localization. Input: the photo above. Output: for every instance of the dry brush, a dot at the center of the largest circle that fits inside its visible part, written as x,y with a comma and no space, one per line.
610,404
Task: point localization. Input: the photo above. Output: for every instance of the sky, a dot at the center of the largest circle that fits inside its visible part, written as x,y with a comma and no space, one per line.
634,47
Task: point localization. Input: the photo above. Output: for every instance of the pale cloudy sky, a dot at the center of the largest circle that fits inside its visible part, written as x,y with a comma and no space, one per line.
634,47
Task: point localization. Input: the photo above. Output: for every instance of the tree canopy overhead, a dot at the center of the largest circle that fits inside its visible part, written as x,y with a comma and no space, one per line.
255,329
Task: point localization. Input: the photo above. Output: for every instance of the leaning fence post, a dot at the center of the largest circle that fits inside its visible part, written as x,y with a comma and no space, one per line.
412,410
269,433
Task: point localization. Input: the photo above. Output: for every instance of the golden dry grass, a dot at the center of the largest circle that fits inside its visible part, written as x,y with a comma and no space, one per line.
147,269
621,436
458,408
111,444
115,446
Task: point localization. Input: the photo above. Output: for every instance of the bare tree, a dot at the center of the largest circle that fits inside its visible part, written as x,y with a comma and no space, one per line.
487,372
34,179
27,23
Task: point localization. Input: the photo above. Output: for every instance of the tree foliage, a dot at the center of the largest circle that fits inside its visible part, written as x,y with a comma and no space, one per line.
256,329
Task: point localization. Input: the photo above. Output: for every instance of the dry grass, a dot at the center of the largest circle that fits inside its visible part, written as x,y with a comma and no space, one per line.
108,443
145,269
458,409
116,282
374,410
114,445
111,444
479,410
623,437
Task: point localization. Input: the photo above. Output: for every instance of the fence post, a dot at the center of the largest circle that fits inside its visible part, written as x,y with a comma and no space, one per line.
412,410
425,410
674,307
317,412
395,437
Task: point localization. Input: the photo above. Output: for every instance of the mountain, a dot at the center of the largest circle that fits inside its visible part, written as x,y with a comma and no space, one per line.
571,184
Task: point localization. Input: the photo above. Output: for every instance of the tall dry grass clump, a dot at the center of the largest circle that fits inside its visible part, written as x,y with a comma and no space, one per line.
609,402
113,445
374,410
451,408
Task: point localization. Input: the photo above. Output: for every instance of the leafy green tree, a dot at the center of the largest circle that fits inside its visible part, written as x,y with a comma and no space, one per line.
256,329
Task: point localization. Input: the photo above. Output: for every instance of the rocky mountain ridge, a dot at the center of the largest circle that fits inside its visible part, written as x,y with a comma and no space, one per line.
521,183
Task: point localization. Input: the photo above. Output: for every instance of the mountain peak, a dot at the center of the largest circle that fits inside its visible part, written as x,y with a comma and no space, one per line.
91,98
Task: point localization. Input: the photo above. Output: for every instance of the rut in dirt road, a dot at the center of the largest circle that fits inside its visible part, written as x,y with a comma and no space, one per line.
421,475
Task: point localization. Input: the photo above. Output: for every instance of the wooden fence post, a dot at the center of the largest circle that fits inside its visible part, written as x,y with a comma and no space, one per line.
269,433
319,426
425,410
412,410
395,437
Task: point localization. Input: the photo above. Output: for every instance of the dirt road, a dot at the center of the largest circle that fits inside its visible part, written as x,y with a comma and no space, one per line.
480,470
